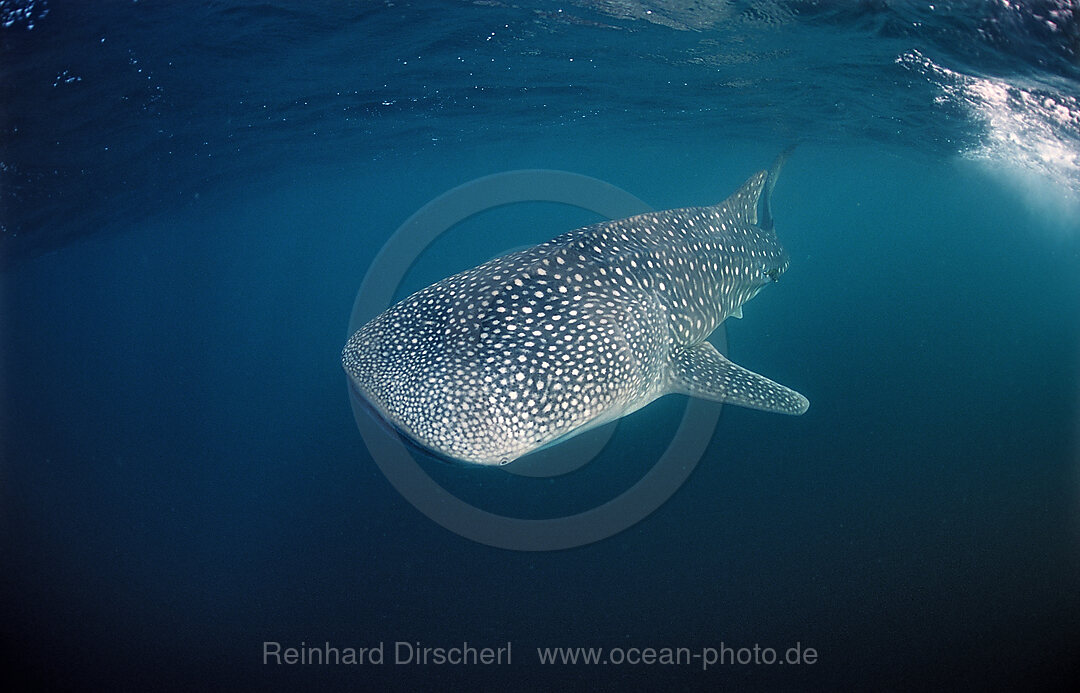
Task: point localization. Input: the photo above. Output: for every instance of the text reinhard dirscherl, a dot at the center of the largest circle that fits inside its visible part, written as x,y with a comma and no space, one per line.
403,652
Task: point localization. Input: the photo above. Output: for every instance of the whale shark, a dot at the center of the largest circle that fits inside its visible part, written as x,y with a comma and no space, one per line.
544,343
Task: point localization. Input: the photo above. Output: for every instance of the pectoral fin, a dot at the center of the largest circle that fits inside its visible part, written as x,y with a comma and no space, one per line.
702,371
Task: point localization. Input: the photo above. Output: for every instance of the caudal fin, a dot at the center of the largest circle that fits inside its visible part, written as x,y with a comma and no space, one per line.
765,218
750,203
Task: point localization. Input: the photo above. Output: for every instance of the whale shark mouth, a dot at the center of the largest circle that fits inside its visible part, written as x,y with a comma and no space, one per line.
375,412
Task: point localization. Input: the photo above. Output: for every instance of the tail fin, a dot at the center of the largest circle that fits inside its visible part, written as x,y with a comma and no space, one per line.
765,218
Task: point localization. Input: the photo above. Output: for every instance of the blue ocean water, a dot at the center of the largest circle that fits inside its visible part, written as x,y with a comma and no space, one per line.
192,194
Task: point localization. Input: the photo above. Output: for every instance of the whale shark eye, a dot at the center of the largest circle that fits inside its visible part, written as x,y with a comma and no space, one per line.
773,274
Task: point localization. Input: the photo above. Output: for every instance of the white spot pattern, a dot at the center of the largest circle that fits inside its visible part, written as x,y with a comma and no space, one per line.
500,359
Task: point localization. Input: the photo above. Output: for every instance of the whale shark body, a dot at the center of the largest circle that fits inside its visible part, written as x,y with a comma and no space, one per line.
544,343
